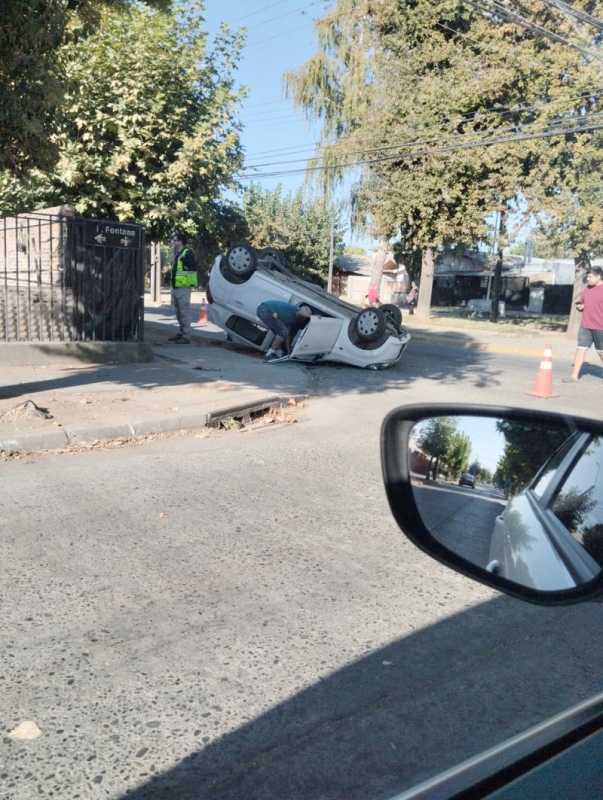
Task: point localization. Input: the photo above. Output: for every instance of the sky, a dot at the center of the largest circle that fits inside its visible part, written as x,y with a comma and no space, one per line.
280,37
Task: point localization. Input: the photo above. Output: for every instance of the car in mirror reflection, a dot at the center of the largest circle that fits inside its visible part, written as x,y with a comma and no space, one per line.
539,522
550,535
532,529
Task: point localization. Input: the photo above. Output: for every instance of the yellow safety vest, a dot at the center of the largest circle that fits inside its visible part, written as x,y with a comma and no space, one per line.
183,277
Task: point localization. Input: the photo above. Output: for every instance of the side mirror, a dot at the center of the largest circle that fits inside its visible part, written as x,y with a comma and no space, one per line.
511,498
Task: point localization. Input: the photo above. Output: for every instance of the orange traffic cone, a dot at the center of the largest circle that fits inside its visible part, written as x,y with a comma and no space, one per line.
544,380
203,312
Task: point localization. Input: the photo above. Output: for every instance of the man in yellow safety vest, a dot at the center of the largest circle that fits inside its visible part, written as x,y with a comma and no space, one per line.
183,277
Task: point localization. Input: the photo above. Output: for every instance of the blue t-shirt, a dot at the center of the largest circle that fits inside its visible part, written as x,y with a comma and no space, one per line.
286,312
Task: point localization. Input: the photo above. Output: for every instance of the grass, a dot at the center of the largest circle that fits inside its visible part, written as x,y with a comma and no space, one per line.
514,322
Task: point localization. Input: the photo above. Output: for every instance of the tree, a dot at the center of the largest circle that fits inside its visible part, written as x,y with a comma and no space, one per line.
31,82
148,129
458,454
441,107
298,225
438,438
527,447
30,90
571,202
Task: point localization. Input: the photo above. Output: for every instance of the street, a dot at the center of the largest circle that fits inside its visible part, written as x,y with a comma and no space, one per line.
461,519
236,615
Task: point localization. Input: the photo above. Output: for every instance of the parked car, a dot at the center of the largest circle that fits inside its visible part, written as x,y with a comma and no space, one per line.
372,338
560,757
467,479
551,534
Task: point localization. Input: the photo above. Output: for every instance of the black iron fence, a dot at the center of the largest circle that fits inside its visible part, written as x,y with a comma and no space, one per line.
66,278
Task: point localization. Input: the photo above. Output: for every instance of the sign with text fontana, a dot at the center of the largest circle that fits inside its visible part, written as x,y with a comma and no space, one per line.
114,234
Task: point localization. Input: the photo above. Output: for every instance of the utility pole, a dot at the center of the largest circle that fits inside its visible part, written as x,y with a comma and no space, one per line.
497,282
332,247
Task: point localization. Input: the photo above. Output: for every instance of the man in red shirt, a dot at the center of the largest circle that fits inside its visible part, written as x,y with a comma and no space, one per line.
591,325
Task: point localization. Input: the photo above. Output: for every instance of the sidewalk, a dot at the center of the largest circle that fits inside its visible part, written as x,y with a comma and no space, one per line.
185,387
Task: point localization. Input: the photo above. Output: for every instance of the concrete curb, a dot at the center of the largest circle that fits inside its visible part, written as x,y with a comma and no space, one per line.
59,439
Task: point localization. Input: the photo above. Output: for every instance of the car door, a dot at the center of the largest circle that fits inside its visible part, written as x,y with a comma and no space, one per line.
317,338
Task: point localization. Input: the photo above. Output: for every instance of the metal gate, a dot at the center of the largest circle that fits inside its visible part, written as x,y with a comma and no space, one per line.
66,278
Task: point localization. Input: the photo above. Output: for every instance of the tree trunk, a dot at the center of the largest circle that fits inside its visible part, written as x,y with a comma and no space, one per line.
582,262
426,284
377,266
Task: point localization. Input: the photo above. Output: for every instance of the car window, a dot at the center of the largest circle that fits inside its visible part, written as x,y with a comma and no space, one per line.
578,502
542,481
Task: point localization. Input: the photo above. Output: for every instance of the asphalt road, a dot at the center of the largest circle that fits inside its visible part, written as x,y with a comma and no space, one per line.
238,616
461,519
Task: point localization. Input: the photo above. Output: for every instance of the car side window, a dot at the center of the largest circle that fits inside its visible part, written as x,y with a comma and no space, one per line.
550,468
578,502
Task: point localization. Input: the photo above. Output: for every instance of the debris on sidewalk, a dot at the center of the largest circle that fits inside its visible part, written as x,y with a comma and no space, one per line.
26,409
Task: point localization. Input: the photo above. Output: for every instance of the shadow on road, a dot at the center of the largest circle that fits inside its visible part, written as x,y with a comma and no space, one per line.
402,713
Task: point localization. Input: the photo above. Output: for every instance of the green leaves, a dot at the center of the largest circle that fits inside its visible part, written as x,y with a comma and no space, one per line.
441,109
298,225
148,128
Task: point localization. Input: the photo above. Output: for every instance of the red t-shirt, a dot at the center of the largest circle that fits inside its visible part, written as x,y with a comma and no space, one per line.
592,316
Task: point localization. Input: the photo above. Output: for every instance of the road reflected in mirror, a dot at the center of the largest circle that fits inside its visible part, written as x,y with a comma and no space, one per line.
520,499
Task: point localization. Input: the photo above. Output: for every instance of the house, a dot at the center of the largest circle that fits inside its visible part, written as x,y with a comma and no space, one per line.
532,284
352,275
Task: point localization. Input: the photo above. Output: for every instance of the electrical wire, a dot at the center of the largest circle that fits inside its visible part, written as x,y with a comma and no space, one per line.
581,16
288,14
462,120
471,135
561,131
493,7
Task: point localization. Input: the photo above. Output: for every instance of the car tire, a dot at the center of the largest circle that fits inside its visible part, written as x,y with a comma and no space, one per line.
370,324
272,252
393,312
241,260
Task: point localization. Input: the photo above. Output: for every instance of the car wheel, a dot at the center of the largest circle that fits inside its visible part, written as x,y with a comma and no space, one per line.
393,312
241,260
272,252
370,324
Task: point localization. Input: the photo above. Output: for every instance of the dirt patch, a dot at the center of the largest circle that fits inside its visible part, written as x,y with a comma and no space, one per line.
85,408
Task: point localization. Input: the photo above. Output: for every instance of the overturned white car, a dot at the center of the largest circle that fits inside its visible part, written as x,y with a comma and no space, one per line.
337,331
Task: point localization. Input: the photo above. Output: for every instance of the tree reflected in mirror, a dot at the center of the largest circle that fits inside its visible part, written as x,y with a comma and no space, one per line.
522,500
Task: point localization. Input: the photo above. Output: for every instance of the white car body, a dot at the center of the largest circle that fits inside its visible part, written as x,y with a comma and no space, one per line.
329,334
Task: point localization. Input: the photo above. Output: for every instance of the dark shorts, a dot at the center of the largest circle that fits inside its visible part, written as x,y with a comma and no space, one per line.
588,336
274,324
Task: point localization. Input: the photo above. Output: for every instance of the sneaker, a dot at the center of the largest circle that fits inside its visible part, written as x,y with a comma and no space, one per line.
182,340
175,338
271,356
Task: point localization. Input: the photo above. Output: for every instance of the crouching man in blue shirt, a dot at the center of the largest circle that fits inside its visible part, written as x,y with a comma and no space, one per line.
278,317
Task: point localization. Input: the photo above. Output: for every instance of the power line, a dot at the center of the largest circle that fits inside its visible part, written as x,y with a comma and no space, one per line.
277,36
581,16
288,14
253,13
461,120
561,131
493,7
